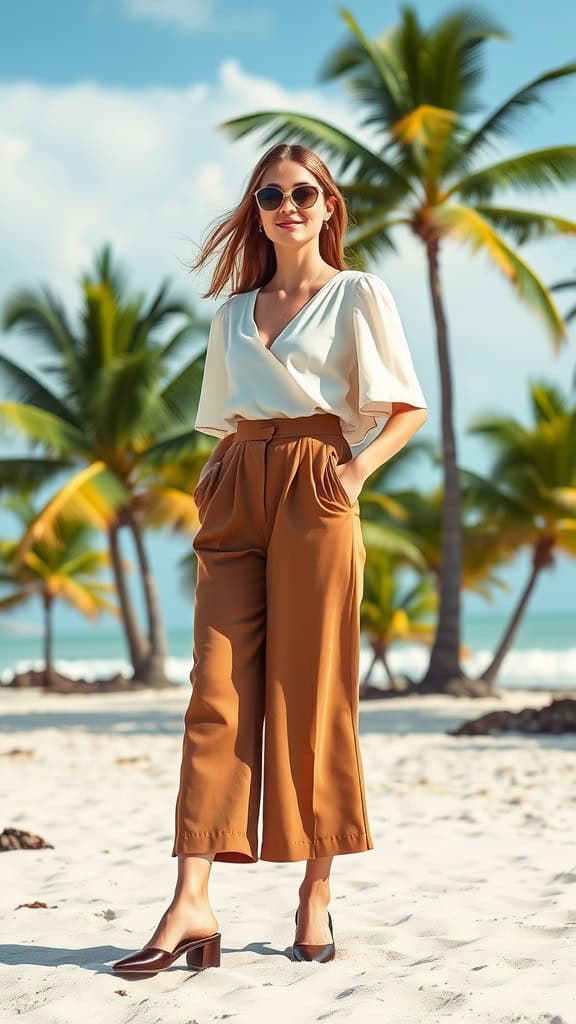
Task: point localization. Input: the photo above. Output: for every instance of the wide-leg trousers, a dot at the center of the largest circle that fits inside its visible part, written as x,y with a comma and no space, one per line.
275,673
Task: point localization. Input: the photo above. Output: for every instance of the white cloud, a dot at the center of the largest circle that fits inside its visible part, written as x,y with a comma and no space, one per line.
197,16
146,169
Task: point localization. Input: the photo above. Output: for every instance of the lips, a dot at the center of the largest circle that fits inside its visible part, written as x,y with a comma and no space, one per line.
285,223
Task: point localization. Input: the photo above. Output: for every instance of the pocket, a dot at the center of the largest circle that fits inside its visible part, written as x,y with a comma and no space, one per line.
205,486
332,462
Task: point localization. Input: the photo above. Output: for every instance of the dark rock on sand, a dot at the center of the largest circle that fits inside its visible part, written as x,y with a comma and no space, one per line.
65,684
557,717
16,839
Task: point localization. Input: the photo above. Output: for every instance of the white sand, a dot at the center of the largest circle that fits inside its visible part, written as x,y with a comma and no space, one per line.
464,911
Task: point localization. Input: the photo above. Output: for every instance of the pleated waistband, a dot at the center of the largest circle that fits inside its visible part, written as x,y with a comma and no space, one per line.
323,423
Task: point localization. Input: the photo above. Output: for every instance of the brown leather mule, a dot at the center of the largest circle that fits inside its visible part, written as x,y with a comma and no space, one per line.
200,954
309,951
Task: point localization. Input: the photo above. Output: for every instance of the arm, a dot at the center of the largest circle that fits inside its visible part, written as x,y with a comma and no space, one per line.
387,380
403,423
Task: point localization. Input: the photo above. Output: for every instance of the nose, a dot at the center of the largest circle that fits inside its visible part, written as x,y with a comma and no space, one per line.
287,206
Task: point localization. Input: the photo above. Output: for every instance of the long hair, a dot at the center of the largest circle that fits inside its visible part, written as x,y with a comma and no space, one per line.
248,258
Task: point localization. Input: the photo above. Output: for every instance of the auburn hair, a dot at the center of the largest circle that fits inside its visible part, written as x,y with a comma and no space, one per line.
247,258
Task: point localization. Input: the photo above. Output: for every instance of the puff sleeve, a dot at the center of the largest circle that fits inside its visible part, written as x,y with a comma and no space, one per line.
214,388
385,370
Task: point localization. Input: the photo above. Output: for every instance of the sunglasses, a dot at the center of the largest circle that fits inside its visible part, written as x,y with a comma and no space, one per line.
270,198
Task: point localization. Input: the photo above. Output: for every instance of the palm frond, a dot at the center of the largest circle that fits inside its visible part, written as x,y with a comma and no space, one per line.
373,237
182,337
28,474
125,399
526,225
44,428
180,396
42,316
500,121
171,449
547,401
539,168
162,306
91,497
376,84
107,271
466,224
25,387
342,150
451,57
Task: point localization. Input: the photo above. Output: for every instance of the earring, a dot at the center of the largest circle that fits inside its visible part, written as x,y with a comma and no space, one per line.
326,224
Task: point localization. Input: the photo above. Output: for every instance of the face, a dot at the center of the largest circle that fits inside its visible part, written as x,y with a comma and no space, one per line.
306,223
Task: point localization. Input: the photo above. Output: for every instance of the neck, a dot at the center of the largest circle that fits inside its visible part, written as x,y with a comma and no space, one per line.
298,272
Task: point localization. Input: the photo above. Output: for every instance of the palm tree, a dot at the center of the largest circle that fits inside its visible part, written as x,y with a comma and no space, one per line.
530,492
67,570
418,519
112,414
390,613
418,88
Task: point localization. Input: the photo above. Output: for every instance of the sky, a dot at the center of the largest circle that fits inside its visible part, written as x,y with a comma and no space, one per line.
110,132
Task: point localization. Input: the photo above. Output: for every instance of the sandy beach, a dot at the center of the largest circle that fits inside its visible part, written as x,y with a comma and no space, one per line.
465,909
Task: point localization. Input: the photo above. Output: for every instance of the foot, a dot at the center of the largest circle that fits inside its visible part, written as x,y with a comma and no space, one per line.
184,919
312,927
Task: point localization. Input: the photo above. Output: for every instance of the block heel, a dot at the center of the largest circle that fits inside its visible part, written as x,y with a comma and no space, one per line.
200,954
206,954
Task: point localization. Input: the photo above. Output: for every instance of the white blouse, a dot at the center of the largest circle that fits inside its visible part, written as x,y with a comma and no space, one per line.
344,352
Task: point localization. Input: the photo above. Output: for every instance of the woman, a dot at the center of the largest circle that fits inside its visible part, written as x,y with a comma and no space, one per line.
301,359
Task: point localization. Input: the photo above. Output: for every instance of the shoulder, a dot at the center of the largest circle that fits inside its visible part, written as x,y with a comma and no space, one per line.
220,314
363,282
366,290
369,284
233,304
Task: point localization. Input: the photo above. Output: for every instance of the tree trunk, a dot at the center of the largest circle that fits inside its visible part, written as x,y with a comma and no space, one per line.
444,665
541,558
137,645
153,670
366,681
47,601
392,681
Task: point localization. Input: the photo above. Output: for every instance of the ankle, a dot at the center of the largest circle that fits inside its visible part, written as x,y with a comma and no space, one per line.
191,898
317,891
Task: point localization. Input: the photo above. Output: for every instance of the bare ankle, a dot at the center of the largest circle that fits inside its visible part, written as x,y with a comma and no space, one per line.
316,891
191,898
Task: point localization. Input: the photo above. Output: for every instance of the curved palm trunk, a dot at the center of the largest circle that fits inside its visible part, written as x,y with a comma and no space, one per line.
47,601
153,669
444,662
489,674
392,681
365,682
137,646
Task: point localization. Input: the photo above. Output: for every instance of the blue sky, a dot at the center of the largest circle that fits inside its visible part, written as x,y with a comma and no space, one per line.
109,133
138,43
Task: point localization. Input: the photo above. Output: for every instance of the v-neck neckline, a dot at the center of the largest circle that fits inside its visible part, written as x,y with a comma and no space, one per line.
254,296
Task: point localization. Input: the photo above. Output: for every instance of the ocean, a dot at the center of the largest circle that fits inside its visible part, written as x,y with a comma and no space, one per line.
544,653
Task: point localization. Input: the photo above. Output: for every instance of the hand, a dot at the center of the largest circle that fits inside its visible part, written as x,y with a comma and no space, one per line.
351,477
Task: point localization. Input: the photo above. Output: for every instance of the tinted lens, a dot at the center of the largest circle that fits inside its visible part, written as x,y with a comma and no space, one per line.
269,197
305,195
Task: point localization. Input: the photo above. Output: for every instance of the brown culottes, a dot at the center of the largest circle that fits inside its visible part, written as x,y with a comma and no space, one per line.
275,676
